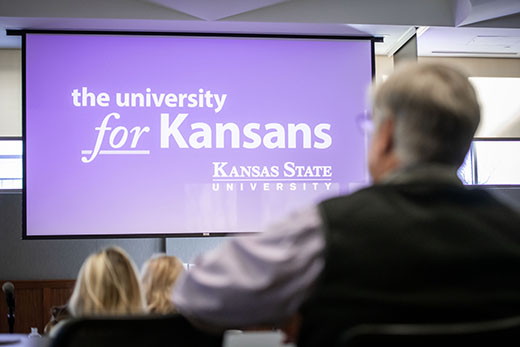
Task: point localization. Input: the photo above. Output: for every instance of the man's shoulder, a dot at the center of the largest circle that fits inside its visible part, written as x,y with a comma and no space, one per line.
382,197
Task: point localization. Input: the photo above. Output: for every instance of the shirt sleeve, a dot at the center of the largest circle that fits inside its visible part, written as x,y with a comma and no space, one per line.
260,279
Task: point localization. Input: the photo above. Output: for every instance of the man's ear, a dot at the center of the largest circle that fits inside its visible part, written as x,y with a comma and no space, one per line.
386,135
382,158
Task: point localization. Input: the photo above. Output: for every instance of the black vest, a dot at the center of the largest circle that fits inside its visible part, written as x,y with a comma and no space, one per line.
413,253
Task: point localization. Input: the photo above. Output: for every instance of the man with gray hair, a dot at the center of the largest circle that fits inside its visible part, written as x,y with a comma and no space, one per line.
416,246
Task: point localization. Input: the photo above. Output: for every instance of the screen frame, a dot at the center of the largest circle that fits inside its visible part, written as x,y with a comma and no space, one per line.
371,39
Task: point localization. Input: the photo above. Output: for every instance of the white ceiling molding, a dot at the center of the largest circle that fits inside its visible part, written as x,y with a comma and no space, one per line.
421,31
408,34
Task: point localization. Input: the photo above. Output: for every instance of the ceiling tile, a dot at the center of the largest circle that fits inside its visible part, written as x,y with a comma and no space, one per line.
214,10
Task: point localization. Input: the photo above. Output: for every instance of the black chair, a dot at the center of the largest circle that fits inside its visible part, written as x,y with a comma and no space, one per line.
494,333
150,331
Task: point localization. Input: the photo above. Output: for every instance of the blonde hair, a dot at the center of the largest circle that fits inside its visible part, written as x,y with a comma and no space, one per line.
435,110
158,277
107,284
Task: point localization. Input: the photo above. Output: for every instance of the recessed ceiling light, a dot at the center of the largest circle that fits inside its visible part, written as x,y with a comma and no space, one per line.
495,40
474,52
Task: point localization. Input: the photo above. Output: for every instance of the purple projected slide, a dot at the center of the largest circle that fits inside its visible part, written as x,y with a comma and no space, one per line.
133,135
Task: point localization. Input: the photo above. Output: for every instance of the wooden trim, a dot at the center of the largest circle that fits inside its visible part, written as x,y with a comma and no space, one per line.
33,302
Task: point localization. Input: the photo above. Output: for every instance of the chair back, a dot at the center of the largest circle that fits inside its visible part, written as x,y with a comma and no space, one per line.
494,333
150,331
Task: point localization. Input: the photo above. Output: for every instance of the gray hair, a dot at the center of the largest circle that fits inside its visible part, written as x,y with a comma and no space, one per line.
436,113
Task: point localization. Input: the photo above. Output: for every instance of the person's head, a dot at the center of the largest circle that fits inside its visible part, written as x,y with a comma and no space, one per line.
107,284
58,314
423,113
158,277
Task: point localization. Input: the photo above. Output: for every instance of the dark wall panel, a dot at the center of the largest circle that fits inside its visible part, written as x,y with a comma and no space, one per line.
53,259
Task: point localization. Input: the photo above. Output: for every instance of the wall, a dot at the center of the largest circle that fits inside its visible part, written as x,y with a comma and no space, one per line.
62,259
33,301
52,259
384,67
481,67
407,52
474,67
10,92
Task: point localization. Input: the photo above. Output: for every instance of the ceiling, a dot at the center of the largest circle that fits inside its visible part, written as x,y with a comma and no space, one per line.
489,28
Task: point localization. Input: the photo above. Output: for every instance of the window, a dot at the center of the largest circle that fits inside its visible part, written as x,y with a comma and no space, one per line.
11,163
497,162
492,161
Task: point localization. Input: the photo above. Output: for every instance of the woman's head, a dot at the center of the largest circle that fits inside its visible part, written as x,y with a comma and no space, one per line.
107,284
158,277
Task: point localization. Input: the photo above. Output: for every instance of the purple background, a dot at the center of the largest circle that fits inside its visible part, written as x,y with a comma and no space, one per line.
169,191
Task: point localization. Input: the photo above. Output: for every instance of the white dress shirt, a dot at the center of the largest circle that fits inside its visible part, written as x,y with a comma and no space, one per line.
256,279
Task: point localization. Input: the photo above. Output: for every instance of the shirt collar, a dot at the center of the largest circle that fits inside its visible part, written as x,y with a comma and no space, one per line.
431,173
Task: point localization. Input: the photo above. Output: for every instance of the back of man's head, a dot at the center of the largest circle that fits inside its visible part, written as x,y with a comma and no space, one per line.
435,113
